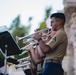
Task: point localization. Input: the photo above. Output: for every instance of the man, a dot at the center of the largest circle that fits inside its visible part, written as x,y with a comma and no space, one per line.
56,48
37,55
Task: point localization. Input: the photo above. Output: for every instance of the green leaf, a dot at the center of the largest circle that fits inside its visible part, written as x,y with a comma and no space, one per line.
43,25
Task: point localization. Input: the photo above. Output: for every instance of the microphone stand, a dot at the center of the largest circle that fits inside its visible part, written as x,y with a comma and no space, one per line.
5,60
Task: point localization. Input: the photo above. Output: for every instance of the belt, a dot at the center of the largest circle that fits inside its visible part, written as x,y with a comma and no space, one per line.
40,71
52,60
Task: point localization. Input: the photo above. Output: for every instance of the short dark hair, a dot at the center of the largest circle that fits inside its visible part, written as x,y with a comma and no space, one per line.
59,16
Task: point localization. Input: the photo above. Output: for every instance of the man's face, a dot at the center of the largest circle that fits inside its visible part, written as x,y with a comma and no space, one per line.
54,23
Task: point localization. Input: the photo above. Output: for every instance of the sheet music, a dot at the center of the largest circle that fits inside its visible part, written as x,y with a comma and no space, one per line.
3,28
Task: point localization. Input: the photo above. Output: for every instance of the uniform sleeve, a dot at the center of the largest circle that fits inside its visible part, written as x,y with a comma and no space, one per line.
56,40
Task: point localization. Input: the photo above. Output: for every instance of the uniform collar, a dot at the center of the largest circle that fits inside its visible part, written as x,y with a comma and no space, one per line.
60,30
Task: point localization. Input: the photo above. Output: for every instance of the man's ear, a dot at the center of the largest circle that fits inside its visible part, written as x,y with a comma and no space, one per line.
60,22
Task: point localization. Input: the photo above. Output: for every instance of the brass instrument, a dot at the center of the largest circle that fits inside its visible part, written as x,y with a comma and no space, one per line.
24,61
31,41
31,36
23,49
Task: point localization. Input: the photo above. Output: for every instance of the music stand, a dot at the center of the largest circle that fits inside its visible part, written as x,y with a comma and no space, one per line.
8,44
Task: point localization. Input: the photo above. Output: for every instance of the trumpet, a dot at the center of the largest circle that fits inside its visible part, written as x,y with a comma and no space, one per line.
23,49
23,59
33,44
23,66
23,63
31,35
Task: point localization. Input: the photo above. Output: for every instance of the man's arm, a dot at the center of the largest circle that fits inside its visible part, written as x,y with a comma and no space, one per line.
33,55
40,54
45,48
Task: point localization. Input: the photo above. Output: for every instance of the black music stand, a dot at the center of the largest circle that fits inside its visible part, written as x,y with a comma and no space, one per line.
7,39
8,44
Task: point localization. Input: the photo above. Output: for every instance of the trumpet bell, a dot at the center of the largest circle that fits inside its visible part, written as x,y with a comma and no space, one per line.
17,39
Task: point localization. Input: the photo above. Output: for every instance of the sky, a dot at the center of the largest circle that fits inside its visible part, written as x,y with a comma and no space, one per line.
10,9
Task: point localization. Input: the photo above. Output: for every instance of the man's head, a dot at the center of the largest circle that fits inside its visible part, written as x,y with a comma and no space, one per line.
57,20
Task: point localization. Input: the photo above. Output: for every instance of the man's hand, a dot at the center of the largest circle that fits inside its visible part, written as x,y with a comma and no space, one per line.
29,47
37,35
